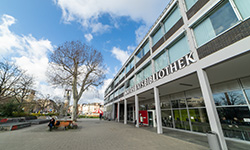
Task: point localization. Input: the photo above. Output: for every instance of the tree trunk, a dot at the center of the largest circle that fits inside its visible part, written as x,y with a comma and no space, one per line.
74,110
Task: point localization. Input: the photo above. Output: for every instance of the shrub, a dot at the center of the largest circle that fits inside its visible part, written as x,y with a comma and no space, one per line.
20,114
7,110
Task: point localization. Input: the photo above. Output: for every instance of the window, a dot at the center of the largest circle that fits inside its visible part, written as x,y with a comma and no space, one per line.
131,82
243,6
161,61
139,55
130,65
190,3
143,51
172,19
146,72
157,36
218,22
121,90
246,85
122,74
176,114
116,81
232,108
178,50
229,98
194,98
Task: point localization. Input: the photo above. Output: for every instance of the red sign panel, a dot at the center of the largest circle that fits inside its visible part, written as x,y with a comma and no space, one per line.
143,116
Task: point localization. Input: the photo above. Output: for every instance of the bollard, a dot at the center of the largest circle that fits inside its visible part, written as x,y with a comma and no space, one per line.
213,141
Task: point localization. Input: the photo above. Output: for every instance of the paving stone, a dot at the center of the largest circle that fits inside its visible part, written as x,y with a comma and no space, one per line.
92,134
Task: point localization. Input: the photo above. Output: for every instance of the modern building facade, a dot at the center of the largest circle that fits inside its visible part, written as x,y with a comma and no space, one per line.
88,109
190,72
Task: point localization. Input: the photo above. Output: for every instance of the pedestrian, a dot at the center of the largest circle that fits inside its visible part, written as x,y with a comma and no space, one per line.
100,113
141,120
51,124
100,116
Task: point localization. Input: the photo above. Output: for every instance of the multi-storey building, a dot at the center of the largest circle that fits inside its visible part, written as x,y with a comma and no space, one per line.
190,72
88,109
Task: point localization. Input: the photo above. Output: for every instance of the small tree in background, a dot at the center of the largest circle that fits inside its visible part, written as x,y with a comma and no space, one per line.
77,65
15,87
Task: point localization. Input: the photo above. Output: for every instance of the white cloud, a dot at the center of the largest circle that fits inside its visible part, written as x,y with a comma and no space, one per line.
31,55
121,55
141,32
88,37
99,28
8,41
95,94
28,53
88,12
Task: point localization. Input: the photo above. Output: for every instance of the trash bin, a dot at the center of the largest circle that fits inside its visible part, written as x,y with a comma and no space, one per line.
213,141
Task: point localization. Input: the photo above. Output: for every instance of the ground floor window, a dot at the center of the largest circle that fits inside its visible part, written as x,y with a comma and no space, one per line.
130,113
232,104
185,110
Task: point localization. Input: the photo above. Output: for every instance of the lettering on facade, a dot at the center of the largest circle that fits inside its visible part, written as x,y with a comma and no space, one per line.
175,66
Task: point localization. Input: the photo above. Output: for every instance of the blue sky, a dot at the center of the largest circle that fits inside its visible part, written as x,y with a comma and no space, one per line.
30,29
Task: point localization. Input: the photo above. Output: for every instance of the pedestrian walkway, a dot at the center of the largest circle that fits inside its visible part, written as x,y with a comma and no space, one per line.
92,134
198,138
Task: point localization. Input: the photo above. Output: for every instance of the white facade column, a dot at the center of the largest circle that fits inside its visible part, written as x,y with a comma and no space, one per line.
125,111
118,111
158,110
137,111
210,107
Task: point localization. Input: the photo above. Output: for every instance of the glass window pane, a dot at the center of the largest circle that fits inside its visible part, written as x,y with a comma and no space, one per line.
235,122
174,104
223,18
146,48
199,120
139,77
161,61
243,6
147,71
194,98
219,21
229,98
195,102
204,32
139,55
248,94
178,50
143,74
165,102
172,19
157,36
130,65
181,119
226,86
190,3
246,82
167,118
131,82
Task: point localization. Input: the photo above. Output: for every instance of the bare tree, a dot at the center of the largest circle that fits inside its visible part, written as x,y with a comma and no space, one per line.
76,65
10,75
43,101
58,105
23,89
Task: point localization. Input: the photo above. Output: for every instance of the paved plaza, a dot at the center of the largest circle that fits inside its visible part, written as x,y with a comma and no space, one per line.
92,134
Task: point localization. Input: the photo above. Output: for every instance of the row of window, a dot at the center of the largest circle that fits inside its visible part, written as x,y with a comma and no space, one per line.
216,22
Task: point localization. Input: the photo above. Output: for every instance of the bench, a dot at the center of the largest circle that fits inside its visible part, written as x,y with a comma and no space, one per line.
66,124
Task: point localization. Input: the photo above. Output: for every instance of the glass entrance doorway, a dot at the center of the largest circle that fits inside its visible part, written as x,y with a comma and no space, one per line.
150,119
